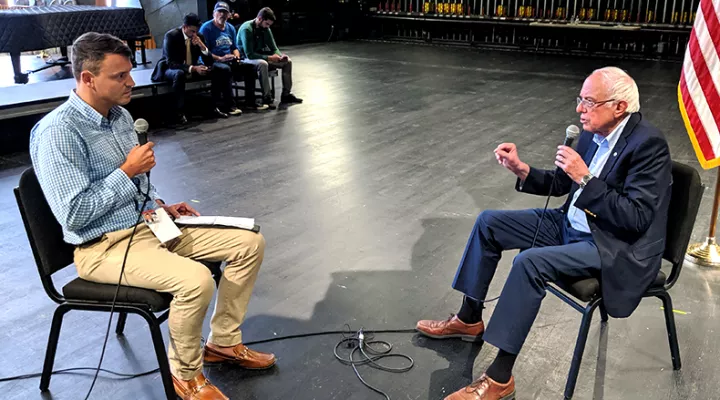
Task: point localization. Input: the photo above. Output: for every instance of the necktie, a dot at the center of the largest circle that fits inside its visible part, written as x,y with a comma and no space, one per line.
188,54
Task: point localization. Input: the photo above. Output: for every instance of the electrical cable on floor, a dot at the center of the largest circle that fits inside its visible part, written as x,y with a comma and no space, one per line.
362,342
363,345
72,370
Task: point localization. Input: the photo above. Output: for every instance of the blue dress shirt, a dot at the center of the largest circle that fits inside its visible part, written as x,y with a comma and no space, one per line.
577,217
77,153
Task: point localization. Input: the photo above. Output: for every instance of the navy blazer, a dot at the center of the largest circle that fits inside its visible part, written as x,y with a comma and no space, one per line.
626,208
174,54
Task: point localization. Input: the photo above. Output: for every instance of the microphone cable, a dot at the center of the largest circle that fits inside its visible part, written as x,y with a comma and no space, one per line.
547,201
537,230
360,341
117,290
571,133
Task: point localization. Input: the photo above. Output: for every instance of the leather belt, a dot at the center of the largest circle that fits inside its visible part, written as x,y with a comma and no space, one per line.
91,242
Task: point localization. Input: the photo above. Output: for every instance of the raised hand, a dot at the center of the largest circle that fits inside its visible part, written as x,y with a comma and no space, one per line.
506,155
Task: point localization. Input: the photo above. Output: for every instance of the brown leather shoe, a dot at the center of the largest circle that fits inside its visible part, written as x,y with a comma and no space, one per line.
242,356
486,389
451,328
198,388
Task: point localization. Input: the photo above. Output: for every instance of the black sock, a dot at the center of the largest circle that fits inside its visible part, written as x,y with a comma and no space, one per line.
501,369
470,311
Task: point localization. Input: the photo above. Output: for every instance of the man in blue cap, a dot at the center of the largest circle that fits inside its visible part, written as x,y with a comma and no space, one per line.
220,38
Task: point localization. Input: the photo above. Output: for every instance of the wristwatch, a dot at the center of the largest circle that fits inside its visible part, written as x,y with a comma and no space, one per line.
585,180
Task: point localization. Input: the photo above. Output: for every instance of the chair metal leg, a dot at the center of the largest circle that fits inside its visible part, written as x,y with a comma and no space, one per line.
121,323
603,313
671,330
52,346
579,349
143,54
133,50
161,354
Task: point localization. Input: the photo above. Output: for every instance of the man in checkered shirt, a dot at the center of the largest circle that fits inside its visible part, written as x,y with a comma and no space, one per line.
92,172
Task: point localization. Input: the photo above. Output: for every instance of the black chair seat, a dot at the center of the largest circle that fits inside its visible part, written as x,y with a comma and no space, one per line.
588,289
82,290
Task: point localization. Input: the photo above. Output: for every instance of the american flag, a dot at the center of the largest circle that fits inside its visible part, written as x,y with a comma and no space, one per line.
699,88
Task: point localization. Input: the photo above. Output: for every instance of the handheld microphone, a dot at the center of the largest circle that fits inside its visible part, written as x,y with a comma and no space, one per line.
141,127
571,133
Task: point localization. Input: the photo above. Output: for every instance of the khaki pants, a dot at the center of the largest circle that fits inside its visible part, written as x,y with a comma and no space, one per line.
170,268
263,69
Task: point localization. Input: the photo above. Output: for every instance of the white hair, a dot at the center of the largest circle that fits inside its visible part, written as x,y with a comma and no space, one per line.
621,87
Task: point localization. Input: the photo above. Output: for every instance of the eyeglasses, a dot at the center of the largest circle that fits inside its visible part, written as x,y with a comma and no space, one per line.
591,104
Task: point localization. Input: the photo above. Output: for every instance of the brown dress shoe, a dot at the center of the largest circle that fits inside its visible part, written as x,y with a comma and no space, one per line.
242,356
198,388
486,389
451,328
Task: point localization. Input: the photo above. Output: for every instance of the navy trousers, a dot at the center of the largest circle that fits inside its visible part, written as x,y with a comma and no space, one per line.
560,251
237,71
221,85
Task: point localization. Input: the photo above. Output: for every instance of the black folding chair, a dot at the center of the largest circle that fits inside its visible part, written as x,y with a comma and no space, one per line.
687,192
52,254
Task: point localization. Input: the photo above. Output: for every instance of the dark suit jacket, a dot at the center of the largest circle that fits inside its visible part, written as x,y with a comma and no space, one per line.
174,54
626,208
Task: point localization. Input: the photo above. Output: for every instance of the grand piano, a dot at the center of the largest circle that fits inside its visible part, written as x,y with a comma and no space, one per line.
38,28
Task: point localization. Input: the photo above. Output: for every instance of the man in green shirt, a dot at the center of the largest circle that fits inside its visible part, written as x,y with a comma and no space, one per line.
257,47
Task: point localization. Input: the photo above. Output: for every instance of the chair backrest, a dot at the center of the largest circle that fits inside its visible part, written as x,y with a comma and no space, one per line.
45,234
687,190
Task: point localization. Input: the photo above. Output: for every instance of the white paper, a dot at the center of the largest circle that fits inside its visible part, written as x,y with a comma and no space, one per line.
235,222
163,227
192,220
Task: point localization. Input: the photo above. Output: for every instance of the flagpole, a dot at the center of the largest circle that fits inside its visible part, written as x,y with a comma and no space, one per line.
707,254
700,114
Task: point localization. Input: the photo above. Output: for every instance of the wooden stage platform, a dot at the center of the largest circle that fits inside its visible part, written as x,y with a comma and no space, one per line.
51,88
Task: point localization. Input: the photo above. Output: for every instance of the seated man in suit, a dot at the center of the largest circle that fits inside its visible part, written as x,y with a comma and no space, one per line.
220,37
258,48
611,227
183,48
93,174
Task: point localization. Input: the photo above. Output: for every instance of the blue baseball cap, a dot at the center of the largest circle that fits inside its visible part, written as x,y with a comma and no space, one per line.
222,6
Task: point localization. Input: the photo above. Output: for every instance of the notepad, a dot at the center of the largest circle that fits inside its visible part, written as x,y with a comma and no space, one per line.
233,222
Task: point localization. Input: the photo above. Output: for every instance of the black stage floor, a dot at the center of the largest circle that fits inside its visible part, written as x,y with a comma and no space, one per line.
366,194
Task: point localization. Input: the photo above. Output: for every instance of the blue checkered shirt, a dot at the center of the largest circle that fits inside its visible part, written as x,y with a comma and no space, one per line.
77,154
